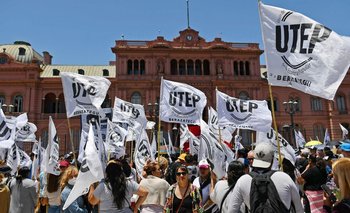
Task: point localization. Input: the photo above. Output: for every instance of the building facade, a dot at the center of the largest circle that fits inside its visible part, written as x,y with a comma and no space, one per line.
31,83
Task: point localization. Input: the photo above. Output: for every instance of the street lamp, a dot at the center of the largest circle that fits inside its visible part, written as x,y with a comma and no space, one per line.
175,131
153,111
290,107
7,108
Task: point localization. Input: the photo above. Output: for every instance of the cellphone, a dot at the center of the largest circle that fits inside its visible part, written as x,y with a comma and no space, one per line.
329,192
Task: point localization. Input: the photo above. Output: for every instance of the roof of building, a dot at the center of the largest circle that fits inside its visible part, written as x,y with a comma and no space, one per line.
93,70
27,54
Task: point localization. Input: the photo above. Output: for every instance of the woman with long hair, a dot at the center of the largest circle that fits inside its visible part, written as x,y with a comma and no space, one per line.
53,192
182,196
67,182
156,187
114,193
341,174
23,192
223,187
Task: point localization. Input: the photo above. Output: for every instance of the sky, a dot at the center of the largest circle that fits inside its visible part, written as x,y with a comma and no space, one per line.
82,32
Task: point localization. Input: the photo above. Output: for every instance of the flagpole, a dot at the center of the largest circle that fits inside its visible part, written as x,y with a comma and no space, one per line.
275,127
71,142
159,136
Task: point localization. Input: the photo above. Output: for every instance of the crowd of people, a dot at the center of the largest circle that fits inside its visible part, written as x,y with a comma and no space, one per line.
319,181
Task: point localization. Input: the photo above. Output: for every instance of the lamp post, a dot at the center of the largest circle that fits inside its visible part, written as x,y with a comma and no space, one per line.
290,107
175,131
153,112
7,108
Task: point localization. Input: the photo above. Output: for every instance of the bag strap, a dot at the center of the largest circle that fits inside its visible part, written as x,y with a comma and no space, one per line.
183,198
225,196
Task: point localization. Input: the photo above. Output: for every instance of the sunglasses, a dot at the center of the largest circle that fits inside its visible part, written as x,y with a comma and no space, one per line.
181,173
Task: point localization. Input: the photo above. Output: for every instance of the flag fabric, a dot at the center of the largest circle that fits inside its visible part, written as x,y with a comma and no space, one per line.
142,152
243,114
344,131
52,151
270,137
154,146
299,139
5,130
24,159
116,139
90,171
327,138
26,133
38,151
181,103
84,94
184,135
194,144
150,125
302,53
13,158
171,146
213,123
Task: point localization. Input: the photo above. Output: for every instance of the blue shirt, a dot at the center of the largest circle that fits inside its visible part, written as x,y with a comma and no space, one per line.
77,206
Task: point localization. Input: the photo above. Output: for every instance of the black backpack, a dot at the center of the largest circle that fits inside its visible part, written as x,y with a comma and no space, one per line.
264,197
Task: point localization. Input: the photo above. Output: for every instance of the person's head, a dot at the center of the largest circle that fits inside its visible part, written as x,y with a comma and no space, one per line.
250,157
152,168
189,160
116,182
263,155
312,160
163,164
234,172
22,174
63,165
53,182
341,172
182,158
126,168
204,169
68,177
182,175
305,152
313,151
345,148
320,153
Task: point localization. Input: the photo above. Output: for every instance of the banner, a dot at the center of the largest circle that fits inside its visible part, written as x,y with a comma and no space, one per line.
302,53
181,103
52,151
24,159
345,132
83,94
5,130
299,139
213,123
116,139
26,133
13,158
327,138
154,146
90,171
243,114
142,152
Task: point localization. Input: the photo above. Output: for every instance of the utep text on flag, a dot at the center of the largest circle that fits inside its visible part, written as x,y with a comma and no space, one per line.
52,151
243,114
90,171
115,139
302,53
181,103
142,152
83,94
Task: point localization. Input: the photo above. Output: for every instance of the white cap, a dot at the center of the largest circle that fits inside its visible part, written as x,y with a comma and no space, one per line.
203,164
263,155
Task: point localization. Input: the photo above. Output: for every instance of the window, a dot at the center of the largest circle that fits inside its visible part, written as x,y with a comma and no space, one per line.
2,100
3,60
55,72
136,67
21,51
243,95
316,104
318,132
105,72
142,67
198,67
81,72
235,67
206,67
173,67
341,104
18,103
275,104
61,104
247,68
129,68
246,137
241,68
50,103
182,67
190,67
136,98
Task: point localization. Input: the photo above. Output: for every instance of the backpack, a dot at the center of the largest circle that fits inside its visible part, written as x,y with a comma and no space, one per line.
264,197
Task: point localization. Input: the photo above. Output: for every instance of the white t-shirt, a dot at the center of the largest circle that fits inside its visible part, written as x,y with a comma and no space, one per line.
285,186
220,190
205,190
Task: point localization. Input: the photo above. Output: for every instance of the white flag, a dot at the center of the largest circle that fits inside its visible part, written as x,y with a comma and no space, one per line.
213,123
344,131
270,137
171,147
194,144
327,138
27,133
5,130
52,151
181,103
90,171
116,139
299,139
154,146
83,94
302,53
243,114
142,152
184,135
13,158
24,159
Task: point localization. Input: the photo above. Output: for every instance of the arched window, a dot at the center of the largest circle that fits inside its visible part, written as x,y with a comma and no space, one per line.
198,67
136,67
247,68
241,68
81,72
275,104
341,104
129,67
55,72
235,68
61,104
190,67
106,102
21,51
2,100
173,67
105,72
136,98
316,104
50,103
18,103
142,67
206,67
243,95
318,130
246,137
182,67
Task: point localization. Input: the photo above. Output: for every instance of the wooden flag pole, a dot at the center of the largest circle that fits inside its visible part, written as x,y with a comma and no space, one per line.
275,127
159,137
71,142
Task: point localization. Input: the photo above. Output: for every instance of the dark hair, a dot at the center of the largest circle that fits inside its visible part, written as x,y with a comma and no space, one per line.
117,181
53,182
22,174
321,165
150,167
312,158
182,167
126,168
288,168
235,171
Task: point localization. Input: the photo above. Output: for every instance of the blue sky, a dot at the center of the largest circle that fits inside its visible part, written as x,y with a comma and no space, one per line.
83,31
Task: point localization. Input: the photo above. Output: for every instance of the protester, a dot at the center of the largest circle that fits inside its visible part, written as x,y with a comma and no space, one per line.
183,197
67,182
23,193
250,157
345,148
163,164
223,187
341,171
287,193
53,192
156,187
203,183
114,193
4,195
314,176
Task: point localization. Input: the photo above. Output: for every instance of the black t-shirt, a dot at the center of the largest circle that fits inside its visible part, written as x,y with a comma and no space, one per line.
314,178
186,206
